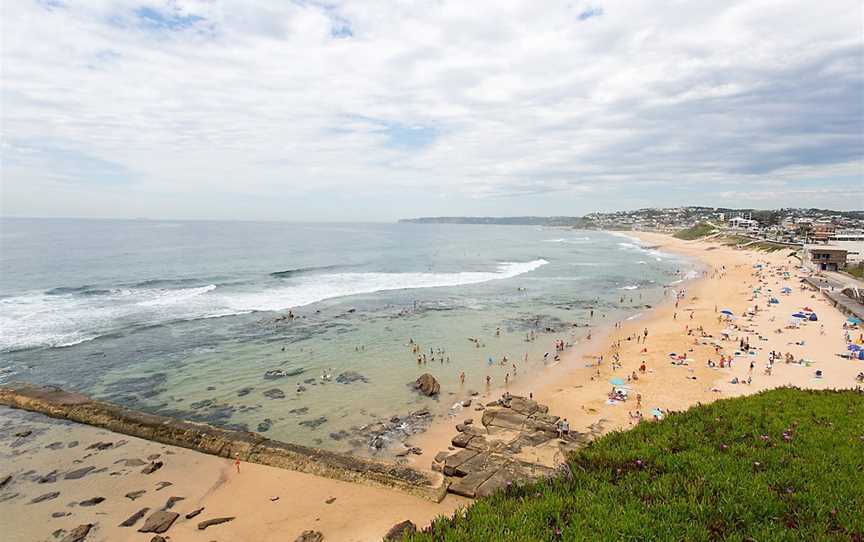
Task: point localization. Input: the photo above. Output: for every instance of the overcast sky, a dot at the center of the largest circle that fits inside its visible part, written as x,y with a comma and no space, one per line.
376,110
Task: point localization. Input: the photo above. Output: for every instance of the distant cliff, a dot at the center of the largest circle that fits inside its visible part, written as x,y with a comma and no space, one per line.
567,221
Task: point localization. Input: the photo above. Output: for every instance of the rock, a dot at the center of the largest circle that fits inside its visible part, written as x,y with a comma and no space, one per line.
49,478
427,385
469,421
265,425
78,473
100,446
331,500
421,413
92,502
134,462
72,444
5,481
158,538
194,513
242,392
153,457
466,403
162,485
133,519
54,446
152,467
440,457
60,514
461,440
400,531
22,434
451,462
309,536
273,374
349,377
172,501
299,411
215,521
315,423
46,497
504,418
132,495
274,393
467,486
78,534
159,522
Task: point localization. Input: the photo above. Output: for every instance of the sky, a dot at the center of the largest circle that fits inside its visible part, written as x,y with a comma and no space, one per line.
376,110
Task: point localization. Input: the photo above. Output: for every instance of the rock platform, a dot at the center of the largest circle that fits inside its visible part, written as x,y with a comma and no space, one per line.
516,442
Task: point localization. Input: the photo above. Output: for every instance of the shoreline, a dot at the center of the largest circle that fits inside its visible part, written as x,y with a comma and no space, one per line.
571,389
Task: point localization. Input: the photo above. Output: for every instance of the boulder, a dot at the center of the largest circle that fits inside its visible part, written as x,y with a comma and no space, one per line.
169,504
461,440
400,530
215,521
309,536
451,462
158,538
194,513
132,495
427,385
159,522
503,418
78,534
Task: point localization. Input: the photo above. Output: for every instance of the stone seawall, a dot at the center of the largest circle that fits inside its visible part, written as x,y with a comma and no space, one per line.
249,447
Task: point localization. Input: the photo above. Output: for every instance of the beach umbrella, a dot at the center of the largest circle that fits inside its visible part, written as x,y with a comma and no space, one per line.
853,347
799,315
727,312
813,317
617,381
853,320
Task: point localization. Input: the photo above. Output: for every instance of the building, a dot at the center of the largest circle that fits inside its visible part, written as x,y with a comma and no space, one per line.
825,257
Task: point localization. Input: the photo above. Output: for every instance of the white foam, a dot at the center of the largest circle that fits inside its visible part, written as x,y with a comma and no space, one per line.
629,287
317,288
38,319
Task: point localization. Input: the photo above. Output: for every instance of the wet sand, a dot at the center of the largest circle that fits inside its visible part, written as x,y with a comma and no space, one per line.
364,513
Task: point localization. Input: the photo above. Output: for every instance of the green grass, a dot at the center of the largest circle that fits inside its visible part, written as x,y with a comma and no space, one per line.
705,474
856,270
696,232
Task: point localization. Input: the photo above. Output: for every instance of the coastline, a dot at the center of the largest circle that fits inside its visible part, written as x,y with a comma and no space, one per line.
567,388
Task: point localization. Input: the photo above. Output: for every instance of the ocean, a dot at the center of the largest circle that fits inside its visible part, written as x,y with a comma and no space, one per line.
191,318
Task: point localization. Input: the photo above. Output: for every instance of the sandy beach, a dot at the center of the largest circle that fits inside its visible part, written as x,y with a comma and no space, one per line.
274,504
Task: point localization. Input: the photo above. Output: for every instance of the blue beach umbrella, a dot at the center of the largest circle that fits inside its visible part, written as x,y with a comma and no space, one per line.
727,311
799,315
853,348
617,381
853,320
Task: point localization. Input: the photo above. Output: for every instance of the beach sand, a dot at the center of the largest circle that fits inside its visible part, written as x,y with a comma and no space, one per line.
571,389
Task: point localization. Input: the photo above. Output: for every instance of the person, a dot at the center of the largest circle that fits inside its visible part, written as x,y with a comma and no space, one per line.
506,378
462,377
488,380
638,400
237,462
563,428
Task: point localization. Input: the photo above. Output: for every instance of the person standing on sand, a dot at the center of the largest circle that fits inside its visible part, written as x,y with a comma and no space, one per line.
462,377
488,381
237,462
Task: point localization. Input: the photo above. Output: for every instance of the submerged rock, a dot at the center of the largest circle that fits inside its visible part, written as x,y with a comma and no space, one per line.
349,377
314,423
46,497
274,393
265,425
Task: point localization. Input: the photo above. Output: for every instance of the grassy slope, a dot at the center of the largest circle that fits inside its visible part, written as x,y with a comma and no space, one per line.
696,232
705,474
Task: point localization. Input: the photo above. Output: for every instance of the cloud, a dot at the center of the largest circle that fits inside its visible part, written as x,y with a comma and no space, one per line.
564,106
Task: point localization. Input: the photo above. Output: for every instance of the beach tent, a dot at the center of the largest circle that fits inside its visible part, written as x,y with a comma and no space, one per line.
813,317
774,300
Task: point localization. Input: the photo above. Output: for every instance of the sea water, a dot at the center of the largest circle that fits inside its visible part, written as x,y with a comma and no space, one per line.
185,318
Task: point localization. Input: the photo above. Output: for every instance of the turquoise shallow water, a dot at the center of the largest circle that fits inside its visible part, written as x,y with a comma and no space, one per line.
185,318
